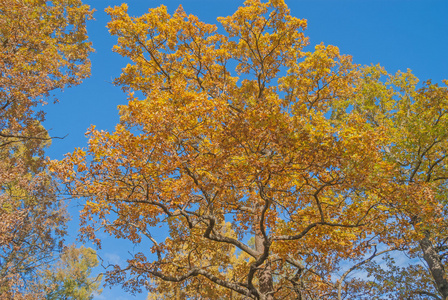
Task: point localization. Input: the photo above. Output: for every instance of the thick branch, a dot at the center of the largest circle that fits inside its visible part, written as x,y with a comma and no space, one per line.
195,272
435,265
211,234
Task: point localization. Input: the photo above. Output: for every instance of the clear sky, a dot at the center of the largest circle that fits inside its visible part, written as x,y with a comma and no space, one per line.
398,34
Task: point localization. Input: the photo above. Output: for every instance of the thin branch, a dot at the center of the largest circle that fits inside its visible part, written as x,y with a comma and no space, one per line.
375,254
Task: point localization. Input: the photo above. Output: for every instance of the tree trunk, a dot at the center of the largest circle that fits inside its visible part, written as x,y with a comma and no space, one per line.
435,265
266,285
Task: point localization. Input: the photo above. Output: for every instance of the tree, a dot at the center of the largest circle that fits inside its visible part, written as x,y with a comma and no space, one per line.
245,128
70,277
417,128
31,222
43,47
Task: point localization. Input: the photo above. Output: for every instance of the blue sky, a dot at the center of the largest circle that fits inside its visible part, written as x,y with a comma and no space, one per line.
398,34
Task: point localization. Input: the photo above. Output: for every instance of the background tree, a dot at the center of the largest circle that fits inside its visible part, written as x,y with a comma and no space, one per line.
70,277
43,47
264,146
417,122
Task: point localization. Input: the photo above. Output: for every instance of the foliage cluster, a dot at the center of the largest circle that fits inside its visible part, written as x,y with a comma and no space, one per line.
44,47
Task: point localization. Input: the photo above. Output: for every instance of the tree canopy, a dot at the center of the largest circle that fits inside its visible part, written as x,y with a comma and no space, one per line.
275,169
70,277
43,47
